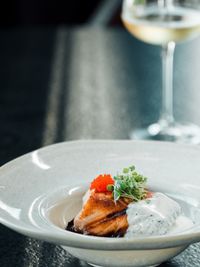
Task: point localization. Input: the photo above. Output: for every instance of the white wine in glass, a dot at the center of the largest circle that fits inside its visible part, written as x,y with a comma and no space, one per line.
164,22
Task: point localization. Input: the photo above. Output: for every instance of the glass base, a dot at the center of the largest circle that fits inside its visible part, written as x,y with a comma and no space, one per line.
94,265
174,132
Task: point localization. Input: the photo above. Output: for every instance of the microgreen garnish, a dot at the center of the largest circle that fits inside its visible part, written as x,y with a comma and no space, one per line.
129,184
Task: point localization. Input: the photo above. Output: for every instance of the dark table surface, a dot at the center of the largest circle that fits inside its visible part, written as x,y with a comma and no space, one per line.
83,83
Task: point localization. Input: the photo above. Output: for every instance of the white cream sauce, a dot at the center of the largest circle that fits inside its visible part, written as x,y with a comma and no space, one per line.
157,215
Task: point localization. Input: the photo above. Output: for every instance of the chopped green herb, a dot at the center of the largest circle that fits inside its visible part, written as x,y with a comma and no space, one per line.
129,184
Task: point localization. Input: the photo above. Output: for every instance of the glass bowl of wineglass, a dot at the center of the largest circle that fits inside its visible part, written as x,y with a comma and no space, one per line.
164,23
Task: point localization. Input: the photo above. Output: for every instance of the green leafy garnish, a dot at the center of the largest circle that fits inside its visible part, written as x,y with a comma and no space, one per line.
139,2
129,184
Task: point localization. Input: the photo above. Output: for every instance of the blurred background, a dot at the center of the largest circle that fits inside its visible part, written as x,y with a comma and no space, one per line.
54,13
61,59
48,53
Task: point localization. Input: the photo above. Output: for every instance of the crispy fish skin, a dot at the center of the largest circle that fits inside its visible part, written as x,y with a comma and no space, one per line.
102,216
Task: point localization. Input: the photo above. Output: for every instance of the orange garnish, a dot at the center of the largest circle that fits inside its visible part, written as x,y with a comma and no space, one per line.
101,182
149,194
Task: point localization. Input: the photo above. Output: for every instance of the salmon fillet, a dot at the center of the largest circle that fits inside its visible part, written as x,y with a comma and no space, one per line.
102,216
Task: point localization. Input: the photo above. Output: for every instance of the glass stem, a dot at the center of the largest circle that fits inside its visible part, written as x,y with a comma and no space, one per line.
166,116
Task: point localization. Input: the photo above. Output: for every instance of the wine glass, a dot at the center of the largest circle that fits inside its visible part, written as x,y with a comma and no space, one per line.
164,22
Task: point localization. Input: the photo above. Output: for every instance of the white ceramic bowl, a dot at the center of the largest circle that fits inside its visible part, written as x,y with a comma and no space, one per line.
41,191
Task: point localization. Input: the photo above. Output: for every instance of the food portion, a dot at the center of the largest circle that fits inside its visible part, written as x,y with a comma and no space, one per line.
101,216
122,206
